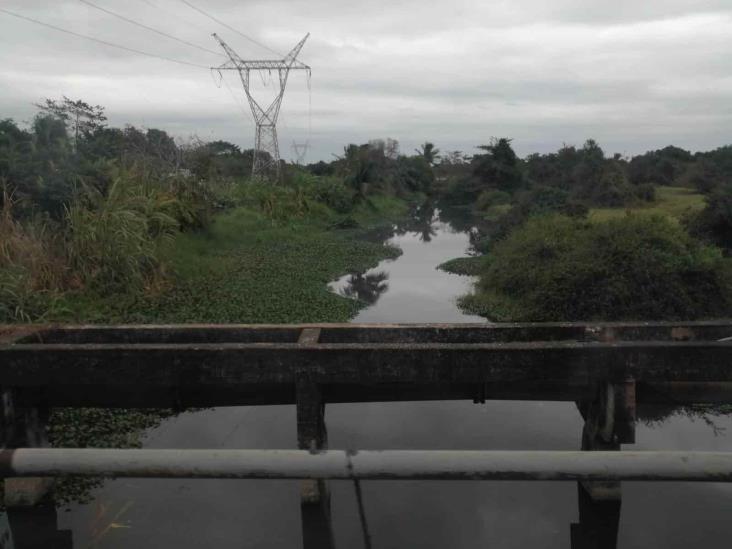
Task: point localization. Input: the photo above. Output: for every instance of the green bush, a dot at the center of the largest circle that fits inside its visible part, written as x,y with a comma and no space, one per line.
330,191
646,192
714,222
279,203
540,200
637,267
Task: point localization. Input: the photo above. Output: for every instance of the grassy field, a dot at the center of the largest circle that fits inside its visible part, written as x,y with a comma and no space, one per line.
675,202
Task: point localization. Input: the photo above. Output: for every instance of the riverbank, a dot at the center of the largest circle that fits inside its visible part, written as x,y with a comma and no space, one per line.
245,268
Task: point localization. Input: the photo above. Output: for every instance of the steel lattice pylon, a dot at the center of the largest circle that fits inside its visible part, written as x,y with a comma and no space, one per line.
266,162
300,150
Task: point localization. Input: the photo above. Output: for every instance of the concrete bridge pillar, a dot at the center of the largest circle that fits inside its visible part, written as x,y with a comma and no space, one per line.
23,425
33,527
317,531
609,422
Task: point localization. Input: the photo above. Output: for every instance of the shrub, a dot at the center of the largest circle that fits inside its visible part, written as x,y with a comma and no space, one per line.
638,267
646,192
332,192
613,189
189,201
714,222
277,202
538,201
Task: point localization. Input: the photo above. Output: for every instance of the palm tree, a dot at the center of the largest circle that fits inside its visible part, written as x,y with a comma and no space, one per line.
428,151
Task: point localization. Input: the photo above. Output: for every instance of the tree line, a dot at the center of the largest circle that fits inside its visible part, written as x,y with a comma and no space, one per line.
545,258
86,207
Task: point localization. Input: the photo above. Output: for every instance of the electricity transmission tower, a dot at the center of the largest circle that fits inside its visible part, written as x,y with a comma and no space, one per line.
266,164
300,150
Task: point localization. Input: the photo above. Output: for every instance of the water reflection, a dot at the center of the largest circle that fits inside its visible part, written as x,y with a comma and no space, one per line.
366,287
416,290
422,224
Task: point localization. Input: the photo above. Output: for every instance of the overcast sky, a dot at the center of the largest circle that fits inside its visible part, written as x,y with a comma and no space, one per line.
635,75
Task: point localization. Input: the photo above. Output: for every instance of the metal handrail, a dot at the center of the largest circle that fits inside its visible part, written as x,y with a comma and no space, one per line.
372,465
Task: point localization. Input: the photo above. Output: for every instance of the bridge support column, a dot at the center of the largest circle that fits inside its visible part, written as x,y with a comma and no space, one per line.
598,522
609,422
33,527
24,426
317,531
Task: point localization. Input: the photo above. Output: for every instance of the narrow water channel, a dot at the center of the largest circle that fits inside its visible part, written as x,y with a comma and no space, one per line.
238,513
411,288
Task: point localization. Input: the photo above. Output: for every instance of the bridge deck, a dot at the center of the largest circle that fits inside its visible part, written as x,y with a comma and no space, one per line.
197,365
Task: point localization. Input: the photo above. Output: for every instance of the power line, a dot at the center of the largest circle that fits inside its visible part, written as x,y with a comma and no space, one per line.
99,41
142,25
199,10
171,13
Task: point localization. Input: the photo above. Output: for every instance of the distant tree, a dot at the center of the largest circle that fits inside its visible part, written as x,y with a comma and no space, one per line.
52,174
613,189
391,148
661,167
588,172
81,118
429,152
714,222
454,158
360,165
49,131
321,168
163,148
415,173
498,166
223,148
17,171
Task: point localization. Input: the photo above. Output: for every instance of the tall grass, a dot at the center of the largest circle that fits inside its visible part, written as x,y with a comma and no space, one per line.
114,240
30,270
109,241
277,202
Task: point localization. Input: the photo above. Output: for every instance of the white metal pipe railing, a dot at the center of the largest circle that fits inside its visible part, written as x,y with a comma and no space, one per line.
388,464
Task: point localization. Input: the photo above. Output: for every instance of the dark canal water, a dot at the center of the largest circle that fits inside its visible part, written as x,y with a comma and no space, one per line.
237,514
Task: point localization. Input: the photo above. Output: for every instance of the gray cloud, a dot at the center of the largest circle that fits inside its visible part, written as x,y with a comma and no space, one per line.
634,75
